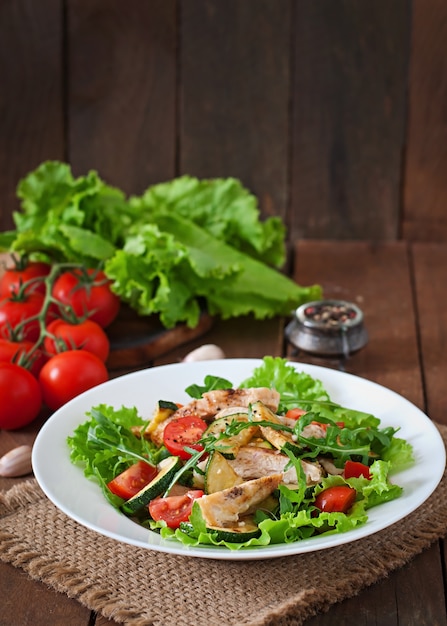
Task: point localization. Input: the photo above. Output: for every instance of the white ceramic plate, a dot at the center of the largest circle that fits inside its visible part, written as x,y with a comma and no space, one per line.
82,499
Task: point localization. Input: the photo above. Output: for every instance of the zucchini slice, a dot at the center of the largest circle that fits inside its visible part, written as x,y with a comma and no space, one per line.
278,438
244,531
156,487
219,474
163,411
229,446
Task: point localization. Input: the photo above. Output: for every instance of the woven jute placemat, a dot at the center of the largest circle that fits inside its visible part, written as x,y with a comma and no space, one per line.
141,587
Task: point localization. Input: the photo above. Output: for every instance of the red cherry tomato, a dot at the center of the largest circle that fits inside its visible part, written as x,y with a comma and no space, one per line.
21,399
294,414
184,432
14,277
22,353
338,499
132,480
94,299
67,374
13,312
354,469
87,335
174,509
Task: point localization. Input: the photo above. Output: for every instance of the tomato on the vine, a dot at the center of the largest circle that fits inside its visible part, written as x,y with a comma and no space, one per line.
14,277
14,311
20,394
93,298
86,334
67,374
22,353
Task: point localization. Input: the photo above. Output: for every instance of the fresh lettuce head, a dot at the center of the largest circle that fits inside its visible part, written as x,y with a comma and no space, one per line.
184,246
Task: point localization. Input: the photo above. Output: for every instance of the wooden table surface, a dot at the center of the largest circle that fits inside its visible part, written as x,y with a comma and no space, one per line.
402,291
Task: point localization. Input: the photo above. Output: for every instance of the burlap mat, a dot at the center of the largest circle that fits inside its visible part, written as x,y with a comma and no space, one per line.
146,588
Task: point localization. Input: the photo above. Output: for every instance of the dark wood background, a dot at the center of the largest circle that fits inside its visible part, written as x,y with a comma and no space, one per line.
333,112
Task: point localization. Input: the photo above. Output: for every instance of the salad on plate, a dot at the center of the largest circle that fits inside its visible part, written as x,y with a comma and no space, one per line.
273,461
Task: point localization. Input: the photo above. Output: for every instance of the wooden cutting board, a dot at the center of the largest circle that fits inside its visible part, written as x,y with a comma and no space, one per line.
135,340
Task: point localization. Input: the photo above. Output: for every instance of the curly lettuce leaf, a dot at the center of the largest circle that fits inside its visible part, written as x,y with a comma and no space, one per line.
69,219
173,267
224,208
293,386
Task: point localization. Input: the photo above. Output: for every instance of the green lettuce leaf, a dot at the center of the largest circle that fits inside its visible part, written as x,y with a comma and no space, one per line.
182,246
223,208
173,267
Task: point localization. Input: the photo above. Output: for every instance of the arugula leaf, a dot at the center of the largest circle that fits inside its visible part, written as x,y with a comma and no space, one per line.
106,446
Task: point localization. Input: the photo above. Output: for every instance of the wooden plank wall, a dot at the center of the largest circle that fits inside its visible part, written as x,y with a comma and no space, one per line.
333,112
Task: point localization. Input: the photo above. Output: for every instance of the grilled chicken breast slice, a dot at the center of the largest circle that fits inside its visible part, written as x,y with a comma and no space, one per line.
213,402
224,508
255,462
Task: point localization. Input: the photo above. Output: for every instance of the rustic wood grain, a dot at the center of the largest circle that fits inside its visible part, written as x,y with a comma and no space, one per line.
425,182
234,94
31,114
430,275
401,598
26,601
378,279
349,109
121,104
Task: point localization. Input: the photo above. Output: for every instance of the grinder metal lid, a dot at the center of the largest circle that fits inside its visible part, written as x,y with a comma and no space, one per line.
327,327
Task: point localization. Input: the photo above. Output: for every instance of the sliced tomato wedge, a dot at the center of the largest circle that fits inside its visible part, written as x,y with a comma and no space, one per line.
132,480
174,509
294,414
184,432
355,469
337,499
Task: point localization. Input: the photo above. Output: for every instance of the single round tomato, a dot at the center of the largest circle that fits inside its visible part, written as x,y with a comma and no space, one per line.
184,432
67,374
87,294
14,312
22,353
87,335
355,469
338,499
174,509
132,480
14,277
20,394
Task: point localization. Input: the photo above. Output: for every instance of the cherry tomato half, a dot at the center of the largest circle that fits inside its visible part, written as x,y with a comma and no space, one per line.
19,352
184,432
20,395
174,509
338,499
67,374
354,469
132,480
14,277
94,299
87,335
294,414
